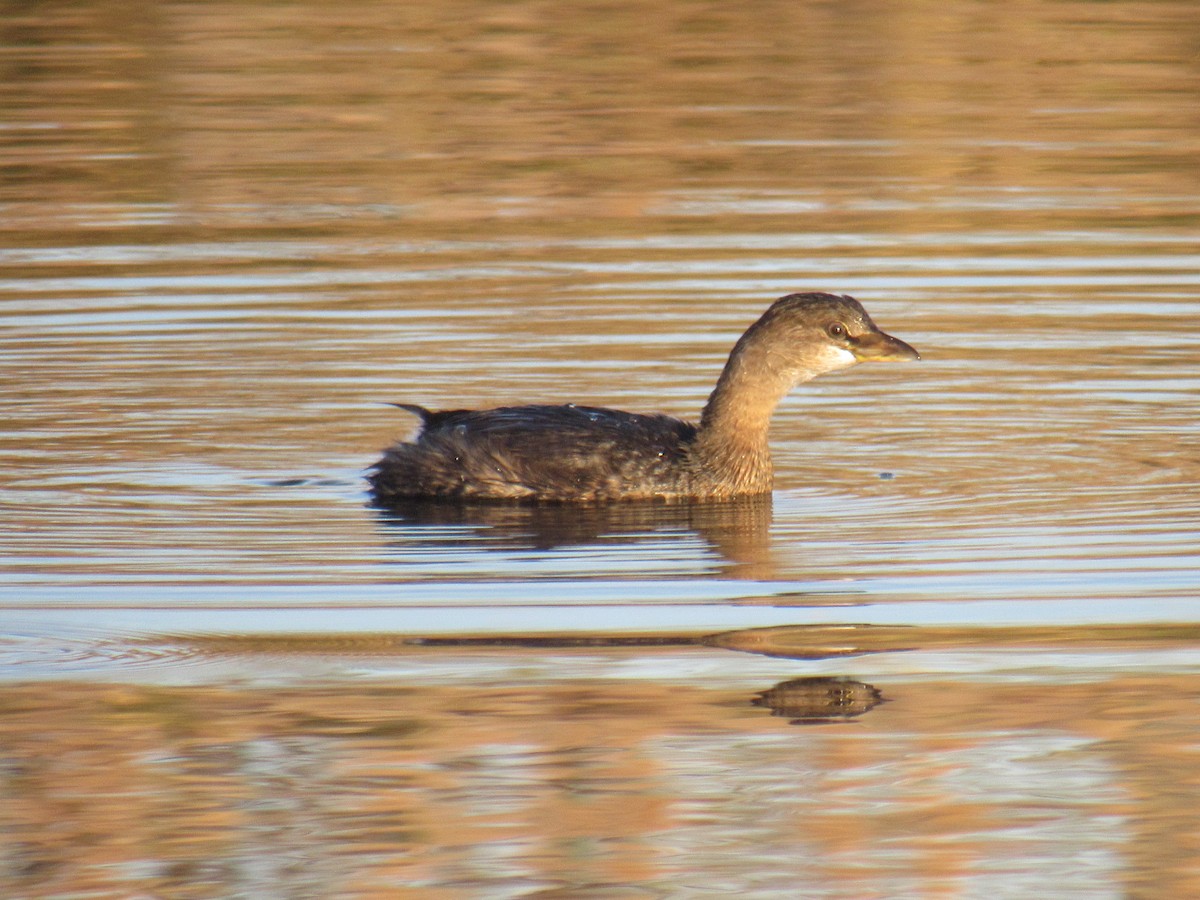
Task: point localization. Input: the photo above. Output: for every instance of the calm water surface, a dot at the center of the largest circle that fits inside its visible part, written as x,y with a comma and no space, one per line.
955,653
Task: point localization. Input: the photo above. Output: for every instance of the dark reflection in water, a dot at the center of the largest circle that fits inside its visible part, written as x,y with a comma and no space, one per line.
558,642
738,530
811,701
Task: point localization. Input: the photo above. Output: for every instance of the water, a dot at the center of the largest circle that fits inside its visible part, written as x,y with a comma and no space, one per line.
230,234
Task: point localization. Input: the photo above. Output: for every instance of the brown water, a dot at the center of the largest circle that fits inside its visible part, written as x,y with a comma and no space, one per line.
230,232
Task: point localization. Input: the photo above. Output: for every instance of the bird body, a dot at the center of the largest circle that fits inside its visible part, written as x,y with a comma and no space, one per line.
557,453
573,453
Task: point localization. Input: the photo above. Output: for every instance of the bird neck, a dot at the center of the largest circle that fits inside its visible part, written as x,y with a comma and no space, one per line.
733,438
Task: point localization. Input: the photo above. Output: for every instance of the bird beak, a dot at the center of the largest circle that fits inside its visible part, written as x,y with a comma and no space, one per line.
876,346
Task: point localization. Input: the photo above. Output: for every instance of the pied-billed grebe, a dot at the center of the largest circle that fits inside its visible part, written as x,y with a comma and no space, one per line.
580,453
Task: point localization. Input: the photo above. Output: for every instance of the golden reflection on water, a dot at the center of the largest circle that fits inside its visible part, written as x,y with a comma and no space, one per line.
226,113
577,783
825,641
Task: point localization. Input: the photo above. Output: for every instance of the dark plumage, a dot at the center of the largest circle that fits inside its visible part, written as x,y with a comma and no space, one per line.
582,453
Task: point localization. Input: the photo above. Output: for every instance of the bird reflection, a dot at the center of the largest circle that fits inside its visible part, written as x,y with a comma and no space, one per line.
737,529
818,699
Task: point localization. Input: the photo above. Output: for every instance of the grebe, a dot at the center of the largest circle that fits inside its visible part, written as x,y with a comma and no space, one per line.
576,453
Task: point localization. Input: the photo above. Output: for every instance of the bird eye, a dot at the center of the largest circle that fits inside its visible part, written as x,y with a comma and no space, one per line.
837,331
